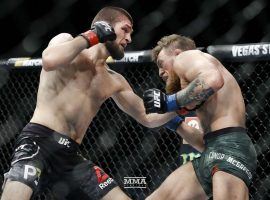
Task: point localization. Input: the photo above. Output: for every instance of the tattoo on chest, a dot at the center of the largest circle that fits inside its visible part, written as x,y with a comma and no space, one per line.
196,92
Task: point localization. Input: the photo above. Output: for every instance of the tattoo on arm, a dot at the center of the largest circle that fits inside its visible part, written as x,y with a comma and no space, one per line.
196,92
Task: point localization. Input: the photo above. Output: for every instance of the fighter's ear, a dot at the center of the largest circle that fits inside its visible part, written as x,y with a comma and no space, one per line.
176,52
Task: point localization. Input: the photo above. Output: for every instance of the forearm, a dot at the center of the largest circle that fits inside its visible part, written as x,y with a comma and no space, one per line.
156,120
62,54
195,93
192,135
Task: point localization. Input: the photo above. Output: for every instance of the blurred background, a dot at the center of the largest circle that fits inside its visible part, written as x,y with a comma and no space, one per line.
116,142
28,25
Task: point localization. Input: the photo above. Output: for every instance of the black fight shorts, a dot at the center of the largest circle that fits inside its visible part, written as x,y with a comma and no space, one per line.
229,150
44,158
188,153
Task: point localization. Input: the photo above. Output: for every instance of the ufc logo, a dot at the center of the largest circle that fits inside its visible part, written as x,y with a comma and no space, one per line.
64,142
157,99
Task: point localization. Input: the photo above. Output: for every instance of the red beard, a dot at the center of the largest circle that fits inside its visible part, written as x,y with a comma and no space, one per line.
173,84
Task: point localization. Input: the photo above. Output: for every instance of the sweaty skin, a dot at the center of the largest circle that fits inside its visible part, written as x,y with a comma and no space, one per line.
75,81
225,108
206,82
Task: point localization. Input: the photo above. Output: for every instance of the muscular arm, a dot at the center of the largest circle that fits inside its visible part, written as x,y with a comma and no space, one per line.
61,50
195,93
133,105
204,77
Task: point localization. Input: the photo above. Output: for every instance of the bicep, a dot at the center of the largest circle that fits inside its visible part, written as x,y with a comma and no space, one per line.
203,78
129,102
197,67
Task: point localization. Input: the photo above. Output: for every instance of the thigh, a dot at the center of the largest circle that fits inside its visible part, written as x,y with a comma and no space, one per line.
116,193
91,181
25,171
16,191
181,184
227,186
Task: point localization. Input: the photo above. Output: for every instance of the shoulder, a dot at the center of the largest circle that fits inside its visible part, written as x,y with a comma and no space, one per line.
189,55
62,37
115,74
195,58
122,81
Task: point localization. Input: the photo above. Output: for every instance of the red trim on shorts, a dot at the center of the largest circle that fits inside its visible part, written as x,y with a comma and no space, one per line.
214,170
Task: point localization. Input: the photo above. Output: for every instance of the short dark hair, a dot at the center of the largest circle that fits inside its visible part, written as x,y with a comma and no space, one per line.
111,14
173,41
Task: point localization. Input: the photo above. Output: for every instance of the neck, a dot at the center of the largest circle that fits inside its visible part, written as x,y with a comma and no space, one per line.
98,53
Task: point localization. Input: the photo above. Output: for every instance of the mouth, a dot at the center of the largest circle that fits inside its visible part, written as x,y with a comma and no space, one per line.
123,45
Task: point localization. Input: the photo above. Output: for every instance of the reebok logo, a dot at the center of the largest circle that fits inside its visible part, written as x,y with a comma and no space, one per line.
106,183
103,179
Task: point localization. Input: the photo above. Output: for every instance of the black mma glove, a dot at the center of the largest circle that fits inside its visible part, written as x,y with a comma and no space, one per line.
156,101
100,32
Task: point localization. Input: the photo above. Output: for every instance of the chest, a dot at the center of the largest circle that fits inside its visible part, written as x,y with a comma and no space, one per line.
98,83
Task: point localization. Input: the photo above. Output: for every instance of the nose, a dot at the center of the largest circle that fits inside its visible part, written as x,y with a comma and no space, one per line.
160,72
128,38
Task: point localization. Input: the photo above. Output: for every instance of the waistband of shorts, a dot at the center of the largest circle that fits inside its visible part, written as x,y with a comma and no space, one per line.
224,131
41,130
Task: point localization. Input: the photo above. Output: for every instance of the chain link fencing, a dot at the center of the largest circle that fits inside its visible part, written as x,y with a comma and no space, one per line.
124,148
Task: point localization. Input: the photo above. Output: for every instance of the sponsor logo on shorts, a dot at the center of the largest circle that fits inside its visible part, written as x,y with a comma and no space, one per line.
221,156
31,172
106,183
216,156
102,178
239,165
64,141
189,156
135,182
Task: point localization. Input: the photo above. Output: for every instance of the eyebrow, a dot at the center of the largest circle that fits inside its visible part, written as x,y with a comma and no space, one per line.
130,27
159,63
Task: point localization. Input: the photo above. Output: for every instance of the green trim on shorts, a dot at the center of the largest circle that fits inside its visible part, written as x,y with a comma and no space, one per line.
229,150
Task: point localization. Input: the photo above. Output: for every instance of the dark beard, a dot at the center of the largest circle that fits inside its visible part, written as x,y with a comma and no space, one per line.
114,50
173,85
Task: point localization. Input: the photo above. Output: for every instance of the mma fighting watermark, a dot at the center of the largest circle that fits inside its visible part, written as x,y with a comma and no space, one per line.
135,182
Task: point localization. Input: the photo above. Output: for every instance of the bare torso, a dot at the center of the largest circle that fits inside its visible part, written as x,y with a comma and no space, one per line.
226,107
69,98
